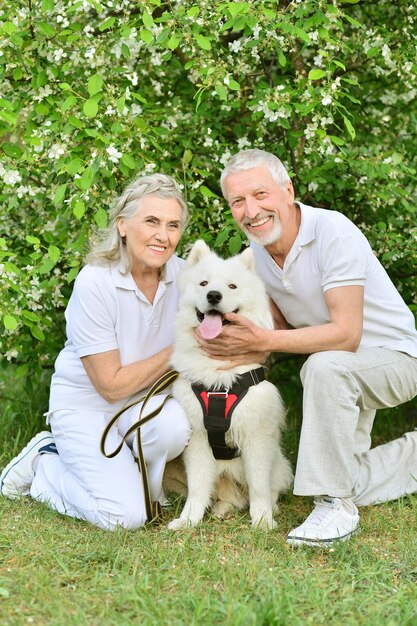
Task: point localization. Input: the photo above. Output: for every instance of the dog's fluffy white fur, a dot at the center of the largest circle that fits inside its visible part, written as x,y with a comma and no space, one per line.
261,472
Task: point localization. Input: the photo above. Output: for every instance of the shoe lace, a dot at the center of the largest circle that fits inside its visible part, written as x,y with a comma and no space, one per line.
322,511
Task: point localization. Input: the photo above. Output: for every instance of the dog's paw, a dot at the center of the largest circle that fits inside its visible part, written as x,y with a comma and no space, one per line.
179,523
264,523
222,509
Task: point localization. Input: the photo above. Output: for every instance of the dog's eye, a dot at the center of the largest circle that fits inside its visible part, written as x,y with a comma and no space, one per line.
232,286
204,283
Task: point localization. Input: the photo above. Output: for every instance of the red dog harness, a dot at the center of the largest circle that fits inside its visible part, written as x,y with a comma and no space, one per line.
218,407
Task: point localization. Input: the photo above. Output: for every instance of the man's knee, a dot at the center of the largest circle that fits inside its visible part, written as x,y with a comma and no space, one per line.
323,366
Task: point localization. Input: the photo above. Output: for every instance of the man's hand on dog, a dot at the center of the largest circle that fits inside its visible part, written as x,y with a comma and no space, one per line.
241,339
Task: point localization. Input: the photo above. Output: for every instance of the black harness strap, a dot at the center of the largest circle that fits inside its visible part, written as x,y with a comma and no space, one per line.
218,407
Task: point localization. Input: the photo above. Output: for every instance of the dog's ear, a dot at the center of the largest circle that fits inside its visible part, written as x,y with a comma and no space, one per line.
247,258
199,250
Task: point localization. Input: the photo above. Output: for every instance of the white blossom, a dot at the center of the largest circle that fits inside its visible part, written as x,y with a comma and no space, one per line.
256,31
11,177
43,92
326,100
114,154
56,151
235,46
58,54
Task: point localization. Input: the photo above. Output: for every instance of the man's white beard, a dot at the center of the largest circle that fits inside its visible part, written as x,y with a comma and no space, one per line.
268,238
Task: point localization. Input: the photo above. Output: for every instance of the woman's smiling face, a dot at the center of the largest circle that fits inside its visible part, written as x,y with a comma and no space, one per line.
153,233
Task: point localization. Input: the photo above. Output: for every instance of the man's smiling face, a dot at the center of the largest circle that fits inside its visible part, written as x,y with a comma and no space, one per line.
259,205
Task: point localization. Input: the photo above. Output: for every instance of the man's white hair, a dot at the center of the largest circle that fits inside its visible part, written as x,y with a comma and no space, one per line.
248,159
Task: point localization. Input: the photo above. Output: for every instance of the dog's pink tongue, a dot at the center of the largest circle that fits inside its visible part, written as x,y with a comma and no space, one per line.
211,326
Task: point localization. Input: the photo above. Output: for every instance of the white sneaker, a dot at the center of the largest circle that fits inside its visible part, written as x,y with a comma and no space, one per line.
16,478
332,519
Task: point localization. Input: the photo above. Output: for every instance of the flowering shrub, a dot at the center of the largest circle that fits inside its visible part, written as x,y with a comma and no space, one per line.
94,92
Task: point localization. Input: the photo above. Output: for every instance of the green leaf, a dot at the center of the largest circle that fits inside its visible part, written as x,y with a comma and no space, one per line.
107,24
12,150
42,108
353,21
79,209
349,127
129,161
121,102
31,316
54,253
9,28
235,243
74,121
90,108
339,64
46,29
221,91
100,218
46,267
147,19
87,178
173,42
60,194
315,74
203,42
37,333
10,118
48,5
372,52
74,167
221,237
337,140
31,239
125,51
282,60
68,103
235,8
233,85
95,84
22,370
187,157
9,322
146,36
193,11
206,192
17,73
72,274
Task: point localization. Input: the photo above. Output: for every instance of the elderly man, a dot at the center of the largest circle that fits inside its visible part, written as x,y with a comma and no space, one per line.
332,300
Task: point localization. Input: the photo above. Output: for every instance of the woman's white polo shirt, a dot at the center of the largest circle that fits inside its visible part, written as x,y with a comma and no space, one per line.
106,312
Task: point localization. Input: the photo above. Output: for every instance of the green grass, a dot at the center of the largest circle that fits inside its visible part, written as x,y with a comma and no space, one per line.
56,571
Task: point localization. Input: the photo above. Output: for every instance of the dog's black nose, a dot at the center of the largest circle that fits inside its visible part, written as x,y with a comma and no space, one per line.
214,297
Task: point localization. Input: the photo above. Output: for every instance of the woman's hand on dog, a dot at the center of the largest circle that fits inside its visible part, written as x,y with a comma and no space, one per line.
241,339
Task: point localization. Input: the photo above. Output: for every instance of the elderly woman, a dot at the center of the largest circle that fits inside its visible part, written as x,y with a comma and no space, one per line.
119,335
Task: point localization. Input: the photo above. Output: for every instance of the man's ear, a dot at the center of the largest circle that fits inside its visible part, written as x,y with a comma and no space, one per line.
289,188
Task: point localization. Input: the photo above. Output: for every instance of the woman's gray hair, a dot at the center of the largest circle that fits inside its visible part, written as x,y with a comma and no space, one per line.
111,247
248,159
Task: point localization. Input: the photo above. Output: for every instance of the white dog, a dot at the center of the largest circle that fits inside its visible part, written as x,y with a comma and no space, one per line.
255,470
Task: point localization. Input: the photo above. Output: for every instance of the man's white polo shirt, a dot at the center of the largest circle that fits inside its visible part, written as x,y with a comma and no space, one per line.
330,251
107,311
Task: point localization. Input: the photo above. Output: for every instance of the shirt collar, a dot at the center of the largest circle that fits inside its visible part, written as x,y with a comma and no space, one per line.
307,230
